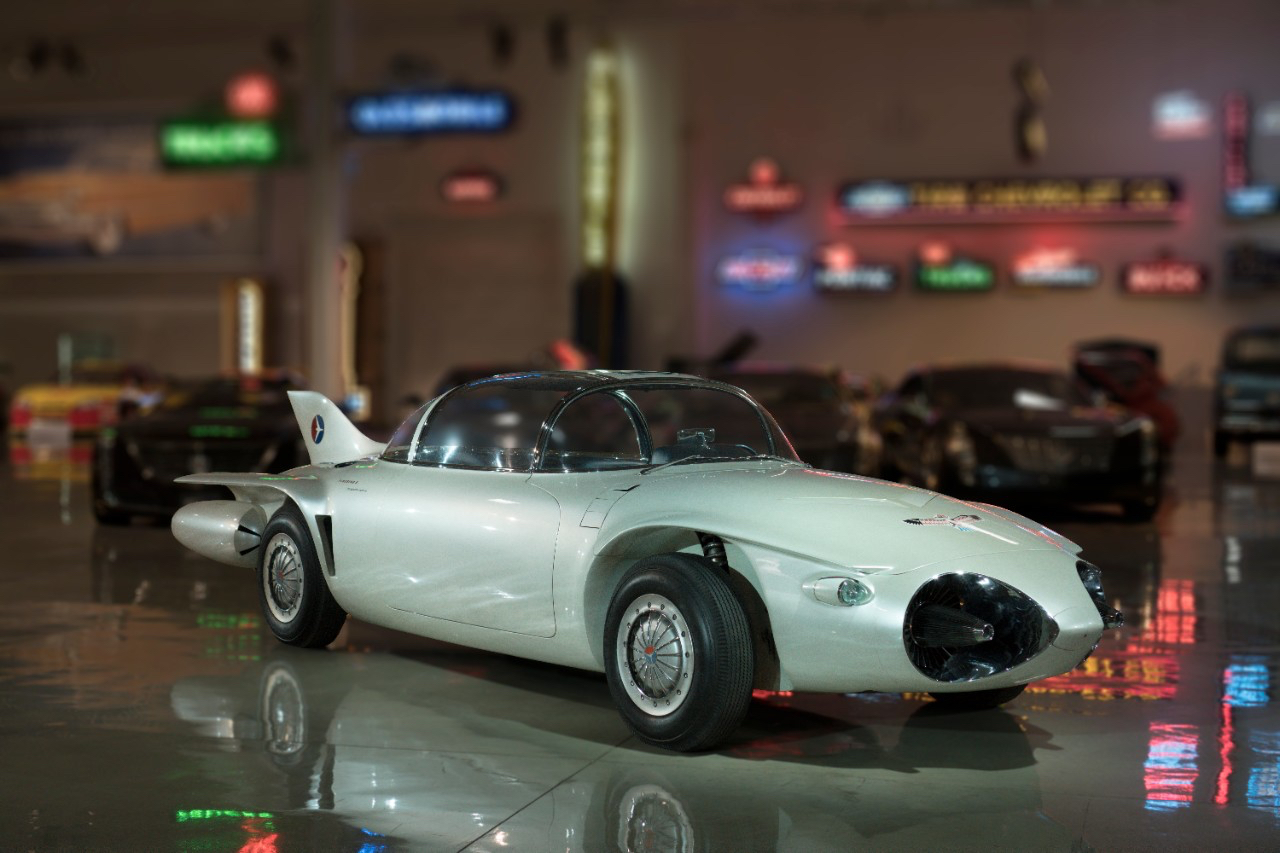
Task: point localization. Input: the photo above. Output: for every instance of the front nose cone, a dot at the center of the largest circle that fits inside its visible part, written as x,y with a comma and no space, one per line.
1079,628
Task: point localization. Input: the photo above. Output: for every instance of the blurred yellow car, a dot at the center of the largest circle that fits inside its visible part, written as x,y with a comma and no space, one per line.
95,395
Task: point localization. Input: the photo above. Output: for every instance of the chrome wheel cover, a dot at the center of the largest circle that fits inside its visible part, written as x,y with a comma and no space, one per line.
282,577
655,655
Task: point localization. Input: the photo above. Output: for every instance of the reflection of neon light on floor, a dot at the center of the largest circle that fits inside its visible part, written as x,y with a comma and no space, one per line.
1120,675
1171,768
1226,744
1246,682
1264,781
1175,620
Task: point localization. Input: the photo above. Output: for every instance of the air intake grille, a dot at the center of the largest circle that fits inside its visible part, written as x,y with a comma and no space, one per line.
1019,628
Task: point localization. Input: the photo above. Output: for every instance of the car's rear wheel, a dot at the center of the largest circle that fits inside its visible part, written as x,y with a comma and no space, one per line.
678,653
296,601
979,700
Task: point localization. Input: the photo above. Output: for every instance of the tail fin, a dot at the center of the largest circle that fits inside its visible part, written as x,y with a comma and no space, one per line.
326,431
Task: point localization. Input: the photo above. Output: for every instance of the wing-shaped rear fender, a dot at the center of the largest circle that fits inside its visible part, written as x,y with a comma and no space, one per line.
217,529
328,434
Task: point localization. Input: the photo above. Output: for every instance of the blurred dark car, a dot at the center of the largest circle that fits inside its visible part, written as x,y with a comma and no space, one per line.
826,413
226,424
1127,373
1247,399
1018,432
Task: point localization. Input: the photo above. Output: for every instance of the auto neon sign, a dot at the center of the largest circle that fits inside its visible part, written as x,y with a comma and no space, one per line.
764,193
1164,276
938,268
759,270
1055,268
837,268
219,143
423,113
997,200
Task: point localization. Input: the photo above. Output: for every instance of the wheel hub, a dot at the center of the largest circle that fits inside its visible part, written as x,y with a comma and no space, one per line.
655,655
282,579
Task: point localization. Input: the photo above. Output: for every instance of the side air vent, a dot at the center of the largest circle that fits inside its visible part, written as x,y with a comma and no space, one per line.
962,627
325,525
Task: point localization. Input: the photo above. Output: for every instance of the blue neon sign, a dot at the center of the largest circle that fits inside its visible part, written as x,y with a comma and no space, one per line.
413,113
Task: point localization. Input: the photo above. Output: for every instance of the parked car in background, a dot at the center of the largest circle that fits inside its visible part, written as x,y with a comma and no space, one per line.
93,395
660,529
1127,373
1247,398
825,412
1018,432
241,422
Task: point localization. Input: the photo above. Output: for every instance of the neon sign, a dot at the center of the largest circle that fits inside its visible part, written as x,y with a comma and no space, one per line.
939,269
470,187
1164,276
251,95
994,200
1179,115
759,270
1056,268
764,193
219,143
1244,199
836,267
417,113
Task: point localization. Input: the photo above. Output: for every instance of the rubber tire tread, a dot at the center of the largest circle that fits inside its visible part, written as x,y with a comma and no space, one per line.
979,700
320,617
703,594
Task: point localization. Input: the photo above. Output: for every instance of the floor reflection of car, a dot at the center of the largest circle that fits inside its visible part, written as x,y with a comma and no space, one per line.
1020,432
1128,374
824,412
237,423
423,753
89,397
1247,402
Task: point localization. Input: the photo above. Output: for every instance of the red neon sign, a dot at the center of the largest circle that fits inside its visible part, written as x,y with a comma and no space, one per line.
252,95
471,187
1164,276
765,192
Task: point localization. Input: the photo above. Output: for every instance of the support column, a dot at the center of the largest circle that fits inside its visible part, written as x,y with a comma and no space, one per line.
326,201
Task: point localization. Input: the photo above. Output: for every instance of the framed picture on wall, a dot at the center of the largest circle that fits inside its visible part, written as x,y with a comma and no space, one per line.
97,191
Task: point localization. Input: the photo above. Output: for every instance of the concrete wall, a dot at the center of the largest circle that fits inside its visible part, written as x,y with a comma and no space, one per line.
832,95
923,95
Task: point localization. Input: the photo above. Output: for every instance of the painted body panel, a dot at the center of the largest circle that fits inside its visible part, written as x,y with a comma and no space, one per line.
526,563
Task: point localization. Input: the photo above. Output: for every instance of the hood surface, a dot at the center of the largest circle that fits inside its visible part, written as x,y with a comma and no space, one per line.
842,519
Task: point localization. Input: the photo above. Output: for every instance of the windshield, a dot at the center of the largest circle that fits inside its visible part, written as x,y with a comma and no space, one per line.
1259,351
497,425
1000,388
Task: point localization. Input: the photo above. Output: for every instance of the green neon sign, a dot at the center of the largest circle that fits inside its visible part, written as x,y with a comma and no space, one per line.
184,815
957,275
219,143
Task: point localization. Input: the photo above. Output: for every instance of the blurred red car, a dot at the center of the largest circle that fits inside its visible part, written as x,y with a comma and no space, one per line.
1127,373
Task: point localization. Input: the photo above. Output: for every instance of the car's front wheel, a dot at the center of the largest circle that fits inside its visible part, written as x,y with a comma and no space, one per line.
678,653
978,700
296,601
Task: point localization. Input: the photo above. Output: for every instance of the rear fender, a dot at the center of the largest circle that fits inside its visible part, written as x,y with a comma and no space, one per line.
225,530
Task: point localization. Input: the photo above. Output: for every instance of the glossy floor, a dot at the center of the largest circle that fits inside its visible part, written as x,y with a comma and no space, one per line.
144,706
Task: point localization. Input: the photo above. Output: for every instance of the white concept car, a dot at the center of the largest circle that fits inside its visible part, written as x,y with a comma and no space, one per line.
658,528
